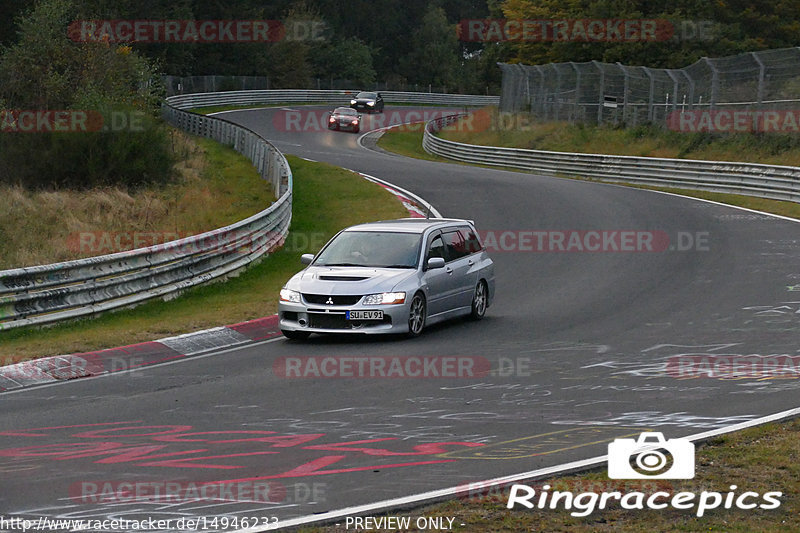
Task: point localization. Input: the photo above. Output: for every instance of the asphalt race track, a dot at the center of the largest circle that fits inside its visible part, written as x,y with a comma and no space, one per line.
585,347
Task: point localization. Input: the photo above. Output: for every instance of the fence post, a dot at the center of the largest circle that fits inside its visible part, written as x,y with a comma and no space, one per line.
674,88
651,96
760,91
542,103
601,99
691,87
519,75
577,98
527,89
714,83
552,107
625,91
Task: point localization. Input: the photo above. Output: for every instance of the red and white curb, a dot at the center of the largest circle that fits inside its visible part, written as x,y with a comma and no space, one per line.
134,356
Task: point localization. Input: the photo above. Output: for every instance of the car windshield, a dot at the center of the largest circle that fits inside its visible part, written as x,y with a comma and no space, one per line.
345,111
371,96
372,249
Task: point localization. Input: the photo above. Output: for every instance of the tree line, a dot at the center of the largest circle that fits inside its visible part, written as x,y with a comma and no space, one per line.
395,42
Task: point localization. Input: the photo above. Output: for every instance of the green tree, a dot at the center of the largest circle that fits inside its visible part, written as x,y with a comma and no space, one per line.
434,58
348,59
736,26
46,71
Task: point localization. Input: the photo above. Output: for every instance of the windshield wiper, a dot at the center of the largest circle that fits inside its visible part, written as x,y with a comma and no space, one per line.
397,266
341,265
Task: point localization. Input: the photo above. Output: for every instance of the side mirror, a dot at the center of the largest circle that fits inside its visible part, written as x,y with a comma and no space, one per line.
435,262
306,258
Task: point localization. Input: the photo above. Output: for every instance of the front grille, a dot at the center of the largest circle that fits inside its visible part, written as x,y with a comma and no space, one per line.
323,299
328,321
338,321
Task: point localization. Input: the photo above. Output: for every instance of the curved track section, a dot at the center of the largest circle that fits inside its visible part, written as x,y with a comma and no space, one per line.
585,346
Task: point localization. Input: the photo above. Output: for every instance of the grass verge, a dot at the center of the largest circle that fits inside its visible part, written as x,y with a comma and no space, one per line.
347,199
407,142
761,460
490,128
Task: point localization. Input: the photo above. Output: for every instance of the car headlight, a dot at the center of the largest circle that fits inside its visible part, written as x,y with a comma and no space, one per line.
288,295
352,102
370,103
355,121
385,298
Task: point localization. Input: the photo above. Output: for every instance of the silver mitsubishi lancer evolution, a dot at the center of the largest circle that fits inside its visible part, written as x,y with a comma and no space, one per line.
394,276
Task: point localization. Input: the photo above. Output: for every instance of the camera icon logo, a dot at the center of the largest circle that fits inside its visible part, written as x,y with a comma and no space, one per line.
650,456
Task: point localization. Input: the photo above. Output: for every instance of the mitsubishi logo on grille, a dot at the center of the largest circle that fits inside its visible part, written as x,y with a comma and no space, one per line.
330,301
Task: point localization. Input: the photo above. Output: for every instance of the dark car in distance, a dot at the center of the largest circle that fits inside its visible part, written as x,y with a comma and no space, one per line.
344,118
368,101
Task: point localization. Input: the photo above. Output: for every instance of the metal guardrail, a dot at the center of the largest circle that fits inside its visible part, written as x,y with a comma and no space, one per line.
190,101
49,293
765,181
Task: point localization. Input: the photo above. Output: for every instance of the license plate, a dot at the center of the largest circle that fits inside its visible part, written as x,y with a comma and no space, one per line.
365,315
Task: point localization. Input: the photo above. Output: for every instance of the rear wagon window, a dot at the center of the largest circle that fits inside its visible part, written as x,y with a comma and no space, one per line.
456,245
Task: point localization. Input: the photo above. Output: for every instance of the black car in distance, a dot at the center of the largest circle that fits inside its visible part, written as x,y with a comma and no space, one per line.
368,101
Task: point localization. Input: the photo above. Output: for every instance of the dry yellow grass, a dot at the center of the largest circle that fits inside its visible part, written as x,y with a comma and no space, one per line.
39,227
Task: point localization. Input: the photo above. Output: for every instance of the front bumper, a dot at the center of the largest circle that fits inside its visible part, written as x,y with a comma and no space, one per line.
313,318
347,126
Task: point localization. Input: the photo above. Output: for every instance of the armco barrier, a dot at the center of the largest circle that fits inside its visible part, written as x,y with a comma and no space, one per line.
267,97
46,294
766,181
50,293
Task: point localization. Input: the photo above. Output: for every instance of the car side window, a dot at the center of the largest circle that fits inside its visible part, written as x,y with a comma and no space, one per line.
473,243
436,249
456,245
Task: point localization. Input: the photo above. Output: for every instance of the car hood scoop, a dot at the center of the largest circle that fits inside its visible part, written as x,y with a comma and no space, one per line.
348,280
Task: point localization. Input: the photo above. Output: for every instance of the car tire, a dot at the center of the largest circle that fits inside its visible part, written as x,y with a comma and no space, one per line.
356,130
417,313
480,301
295,335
